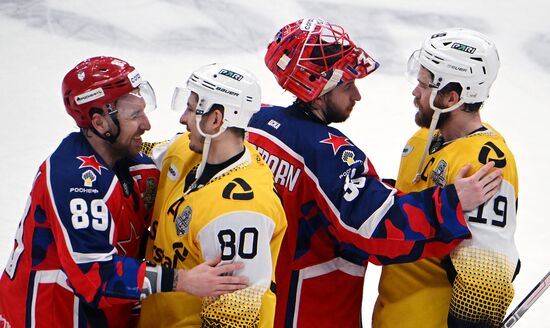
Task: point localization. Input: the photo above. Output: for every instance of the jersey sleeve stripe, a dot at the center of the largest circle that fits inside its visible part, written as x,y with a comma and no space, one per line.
367,229
371,223
77,257
141,167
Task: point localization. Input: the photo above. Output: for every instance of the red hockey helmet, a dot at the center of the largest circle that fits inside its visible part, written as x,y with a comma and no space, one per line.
311,56
95,82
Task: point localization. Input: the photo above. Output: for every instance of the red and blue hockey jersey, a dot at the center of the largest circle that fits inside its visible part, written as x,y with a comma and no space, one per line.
340,217
73,262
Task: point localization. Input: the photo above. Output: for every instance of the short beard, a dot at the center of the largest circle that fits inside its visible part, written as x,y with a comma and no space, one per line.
424,121
122,151
333,116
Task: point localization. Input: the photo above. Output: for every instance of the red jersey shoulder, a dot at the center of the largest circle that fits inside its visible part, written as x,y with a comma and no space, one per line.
146,175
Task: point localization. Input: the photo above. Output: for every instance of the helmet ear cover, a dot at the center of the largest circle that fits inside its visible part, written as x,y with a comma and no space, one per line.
456,87
311,56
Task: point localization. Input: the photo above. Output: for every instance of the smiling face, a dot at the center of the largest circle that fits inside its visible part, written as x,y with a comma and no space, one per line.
133,122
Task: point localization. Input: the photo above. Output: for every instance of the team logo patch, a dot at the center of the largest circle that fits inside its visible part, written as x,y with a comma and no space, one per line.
182,221
91,161
243,193
89,177
407,150
348,157
491,153
438,175
150,192
81,75
336,142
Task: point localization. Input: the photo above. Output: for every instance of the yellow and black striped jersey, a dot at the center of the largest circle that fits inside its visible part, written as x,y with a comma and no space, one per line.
419,294
236,214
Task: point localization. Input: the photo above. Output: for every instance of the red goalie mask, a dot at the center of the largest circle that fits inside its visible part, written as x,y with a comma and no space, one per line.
311,56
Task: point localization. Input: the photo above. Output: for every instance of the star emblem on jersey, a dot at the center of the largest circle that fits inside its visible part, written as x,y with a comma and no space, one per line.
133,237
336,142
91,161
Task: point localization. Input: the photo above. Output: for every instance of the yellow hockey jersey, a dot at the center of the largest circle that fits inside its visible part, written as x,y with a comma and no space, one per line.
237,215
419,294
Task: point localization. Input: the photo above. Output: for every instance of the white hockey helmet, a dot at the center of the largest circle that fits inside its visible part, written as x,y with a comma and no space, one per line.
230,86
459,55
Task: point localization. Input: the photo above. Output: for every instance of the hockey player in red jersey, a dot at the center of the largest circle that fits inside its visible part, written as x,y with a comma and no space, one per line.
75,261
340,215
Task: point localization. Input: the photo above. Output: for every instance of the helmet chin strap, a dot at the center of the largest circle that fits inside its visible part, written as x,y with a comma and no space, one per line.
433,124
109,136
206,148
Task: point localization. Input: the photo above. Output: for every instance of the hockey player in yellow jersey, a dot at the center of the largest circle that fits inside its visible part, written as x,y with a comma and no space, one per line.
453,72
215,198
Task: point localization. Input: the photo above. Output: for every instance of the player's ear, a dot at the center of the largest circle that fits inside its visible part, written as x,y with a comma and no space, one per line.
99,122
453,98
215,118
218,118
319,102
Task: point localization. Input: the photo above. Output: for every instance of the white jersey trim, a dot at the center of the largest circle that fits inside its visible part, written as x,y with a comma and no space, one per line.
57,277
81,257
142,167
336,264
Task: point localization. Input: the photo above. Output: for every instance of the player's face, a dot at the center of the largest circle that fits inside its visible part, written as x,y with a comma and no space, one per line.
133,122
189,119
340,102
421,94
